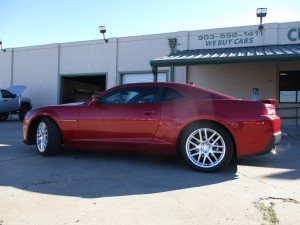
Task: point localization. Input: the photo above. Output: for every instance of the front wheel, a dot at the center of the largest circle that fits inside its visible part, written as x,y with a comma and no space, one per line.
48,137
206,147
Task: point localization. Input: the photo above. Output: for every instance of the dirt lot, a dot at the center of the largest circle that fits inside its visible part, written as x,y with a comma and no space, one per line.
79,187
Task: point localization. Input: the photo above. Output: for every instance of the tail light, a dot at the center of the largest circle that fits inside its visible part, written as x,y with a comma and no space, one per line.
269,107
269,110
270,113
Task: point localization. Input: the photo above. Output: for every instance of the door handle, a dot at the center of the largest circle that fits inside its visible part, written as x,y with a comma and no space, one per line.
149,112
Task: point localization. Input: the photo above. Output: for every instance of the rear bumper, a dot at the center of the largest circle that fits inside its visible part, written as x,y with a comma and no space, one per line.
276,138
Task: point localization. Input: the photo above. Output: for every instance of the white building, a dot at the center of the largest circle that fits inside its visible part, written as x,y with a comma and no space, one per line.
243,62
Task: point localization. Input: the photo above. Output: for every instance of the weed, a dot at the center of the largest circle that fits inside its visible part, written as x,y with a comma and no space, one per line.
269,213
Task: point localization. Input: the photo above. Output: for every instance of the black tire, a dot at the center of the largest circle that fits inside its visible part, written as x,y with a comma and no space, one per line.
206,147
24,109
4,116
48,137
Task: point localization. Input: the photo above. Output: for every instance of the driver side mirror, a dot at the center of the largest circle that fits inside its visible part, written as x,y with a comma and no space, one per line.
96,101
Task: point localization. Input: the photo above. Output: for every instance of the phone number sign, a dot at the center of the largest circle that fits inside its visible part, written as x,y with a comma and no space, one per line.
231,39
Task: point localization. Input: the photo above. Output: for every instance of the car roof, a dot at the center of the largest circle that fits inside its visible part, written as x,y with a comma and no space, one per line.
190,90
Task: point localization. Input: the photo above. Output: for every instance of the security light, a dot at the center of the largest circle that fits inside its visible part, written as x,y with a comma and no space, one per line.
261,12
102,30
1,46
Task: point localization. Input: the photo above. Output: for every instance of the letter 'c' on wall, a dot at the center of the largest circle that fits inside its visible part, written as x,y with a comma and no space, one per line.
292,34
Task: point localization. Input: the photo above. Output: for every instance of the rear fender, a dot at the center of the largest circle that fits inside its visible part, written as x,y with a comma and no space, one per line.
200,123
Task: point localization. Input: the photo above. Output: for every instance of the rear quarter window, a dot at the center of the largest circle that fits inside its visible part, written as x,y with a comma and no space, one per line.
170,94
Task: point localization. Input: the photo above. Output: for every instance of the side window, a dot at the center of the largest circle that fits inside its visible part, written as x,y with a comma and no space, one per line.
132,95
117,97
6,94
170,94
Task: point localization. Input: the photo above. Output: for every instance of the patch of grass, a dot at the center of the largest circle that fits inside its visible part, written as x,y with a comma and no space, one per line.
269,213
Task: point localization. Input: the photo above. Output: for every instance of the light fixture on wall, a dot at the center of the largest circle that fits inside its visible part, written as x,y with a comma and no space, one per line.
282,73
1,46
102,30
261,12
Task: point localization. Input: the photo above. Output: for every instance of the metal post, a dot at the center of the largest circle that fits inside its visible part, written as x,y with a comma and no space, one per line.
297,117
172,79
155,72
172,44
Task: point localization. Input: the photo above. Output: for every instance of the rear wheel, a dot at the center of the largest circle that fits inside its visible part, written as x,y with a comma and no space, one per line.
48,137
4,116
206,147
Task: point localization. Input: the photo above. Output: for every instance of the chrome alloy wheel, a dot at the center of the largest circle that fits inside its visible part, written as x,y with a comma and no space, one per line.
205,148
42,137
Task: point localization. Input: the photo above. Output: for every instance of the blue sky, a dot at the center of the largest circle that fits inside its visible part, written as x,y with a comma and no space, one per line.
36,22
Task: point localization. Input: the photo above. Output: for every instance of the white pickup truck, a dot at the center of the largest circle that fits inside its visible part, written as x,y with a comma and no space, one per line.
11,102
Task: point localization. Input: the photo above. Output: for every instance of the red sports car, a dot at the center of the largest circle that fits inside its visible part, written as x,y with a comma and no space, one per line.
205,128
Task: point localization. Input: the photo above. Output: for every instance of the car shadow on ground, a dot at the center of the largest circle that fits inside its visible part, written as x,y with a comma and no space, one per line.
89,174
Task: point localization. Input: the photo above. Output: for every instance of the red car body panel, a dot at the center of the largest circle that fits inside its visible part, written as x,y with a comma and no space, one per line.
157,127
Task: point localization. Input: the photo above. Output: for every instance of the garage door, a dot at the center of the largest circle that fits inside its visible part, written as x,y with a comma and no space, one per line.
145,77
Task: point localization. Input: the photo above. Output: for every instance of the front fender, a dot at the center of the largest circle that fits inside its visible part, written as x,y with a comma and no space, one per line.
65,117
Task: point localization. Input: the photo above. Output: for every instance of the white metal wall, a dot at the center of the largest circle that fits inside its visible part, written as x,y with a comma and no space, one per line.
237,80
37,68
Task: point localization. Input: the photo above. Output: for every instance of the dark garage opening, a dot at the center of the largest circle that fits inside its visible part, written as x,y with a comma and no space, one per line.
81,88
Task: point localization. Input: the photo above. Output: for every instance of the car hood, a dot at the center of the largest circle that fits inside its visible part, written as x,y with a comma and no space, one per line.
17,89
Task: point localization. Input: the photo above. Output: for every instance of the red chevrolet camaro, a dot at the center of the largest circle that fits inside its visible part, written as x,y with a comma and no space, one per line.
205,128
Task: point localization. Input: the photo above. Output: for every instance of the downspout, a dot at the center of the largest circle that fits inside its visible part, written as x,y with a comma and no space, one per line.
12,67
118,76
172,44
60,81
